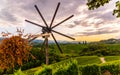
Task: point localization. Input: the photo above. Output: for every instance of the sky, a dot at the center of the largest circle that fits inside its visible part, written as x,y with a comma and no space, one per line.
86,25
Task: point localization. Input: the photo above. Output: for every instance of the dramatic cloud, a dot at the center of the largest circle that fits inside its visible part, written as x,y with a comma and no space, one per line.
96,32
70,25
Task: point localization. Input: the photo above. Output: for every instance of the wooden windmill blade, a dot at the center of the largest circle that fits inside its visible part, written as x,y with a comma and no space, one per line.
55,14
43,44
34,23
40,35
64,35
57,43
62,21
41,16
30,40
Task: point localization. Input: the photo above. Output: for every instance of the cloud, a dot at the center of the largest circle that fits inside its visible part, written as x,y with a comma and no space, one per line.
88,22
18,10
70,25
77,22
105,30
5,15
89,30
95,18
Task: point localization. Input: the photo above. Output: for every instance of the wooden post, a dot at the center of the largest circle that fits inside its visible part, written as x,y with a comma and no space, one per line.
45,36
46,50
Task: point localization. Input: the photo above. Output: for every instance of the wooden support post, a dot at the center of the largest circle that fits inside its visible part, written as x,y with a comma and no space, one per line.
46,50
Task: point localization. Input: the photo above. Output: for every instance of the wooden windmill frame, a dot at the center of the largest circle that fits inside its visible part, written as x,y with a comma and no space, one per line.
49,30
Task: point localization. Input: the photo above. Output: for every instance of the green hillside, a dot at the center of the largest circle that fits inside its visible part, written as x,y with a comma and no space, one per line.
83,61
84,54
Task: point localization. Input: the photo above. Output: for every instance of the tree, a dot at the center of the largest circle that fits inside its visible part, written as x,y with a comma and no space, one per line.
92,4
117,10
13,51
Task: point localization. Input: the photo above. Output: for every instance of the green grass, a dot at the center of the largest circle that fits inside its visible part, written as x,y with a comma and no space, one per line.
69,48
113,46
83,60
112,58
75,49
32,71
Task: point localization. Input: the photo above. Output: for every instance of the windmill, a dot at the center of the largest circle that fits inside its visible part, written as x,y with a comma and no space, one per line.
48,29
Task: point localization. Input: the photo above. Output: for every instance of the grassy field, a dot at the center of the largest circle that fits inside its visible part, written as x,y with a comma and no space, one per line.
83,60
111,58
76,48
32,71
69,48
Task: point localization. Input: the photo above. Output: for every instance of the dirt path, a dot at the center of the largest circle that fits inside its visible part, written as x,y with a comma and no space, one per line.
102,59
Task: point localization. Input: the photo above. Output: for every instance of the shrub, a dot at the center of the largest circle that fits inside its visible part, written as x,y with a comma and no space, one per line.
95,49
71,68
19,72
14,50
68,68
44,71
90,70
1,71
100,69
111,68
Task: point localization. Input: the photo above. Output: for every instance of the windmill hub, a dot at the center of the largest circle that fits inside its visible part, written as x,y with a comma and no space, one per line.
46,30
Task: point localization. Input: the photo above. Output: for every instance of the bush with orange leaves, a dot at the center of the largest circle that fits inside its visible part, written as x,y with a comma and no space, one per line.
14,50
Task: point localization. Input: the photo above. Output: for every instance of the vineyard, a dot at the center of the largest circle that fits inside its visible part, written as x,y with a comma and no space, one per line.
71,66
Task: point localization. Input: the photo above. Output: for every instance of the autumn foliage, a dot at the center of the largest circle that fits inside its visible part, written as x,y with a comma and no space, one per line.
14,50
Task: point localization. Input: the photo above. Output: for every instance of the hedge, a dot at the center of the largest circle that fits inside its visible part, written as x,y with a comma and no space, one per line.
71,68
89,70
112,68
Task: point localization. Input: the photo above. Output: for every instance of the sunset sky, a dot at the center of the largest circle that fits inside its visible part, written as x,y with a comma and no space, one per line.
89,25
